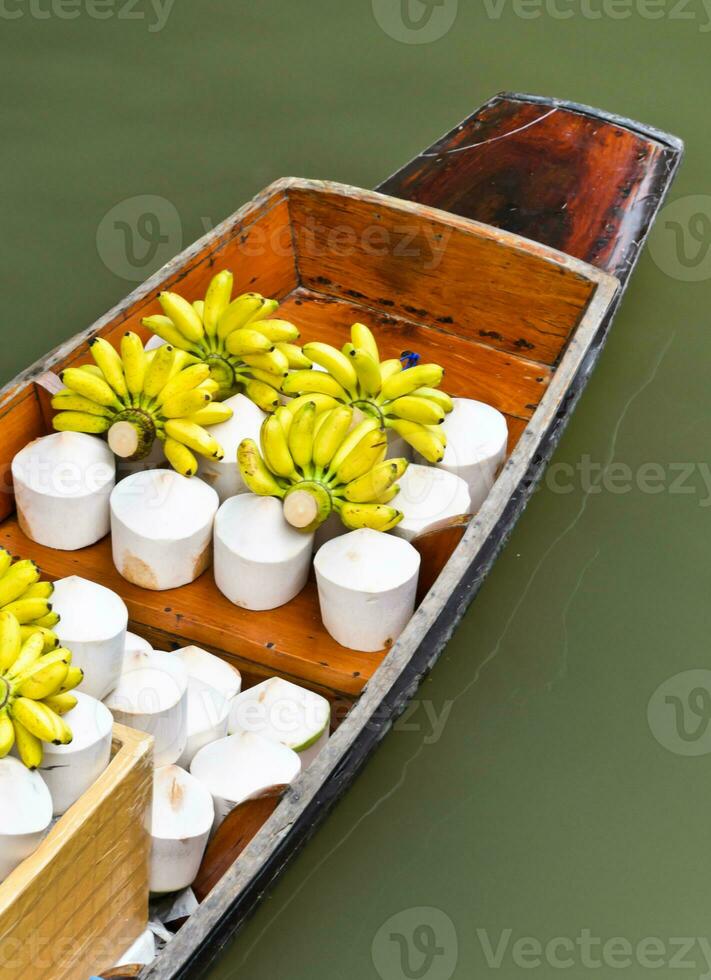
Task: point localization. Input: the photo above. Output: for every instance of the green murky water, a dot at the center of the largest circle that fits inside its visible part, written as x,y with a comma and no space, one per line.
544,820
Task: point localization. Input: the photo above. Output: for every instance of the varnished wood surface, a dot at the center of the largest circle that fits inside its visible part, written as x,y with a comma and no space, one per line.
289,242
565,175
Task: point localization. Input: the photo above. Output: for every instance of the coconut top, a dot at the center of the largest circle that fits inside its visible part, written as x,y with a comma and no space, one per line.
27,805
211,670
90,722
149,683
244,424
66,464
182,806
367,561
163,505
244,766
282,712
475,431
88,611
428,494
254,527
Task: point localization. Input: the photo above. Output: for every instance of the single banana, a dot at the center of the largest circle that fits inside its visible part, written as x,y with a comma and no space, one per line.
50,639
95,389
419,437
60,704
212,414
245,341
75,675
375,482
363,338
274,362
180,457
17,579
28,610
109,361
181,406
187,379
404,383
254,473
378,517
335,362
29,747
370,451
323,402
163,327
159,372
331,434
279,331
194,437
46,675
69,401
389,368
314,382
368,424
40,590
41,721
367,369
183,316
81,422
263,395
32,649
239,313
298,361
416,409
217,299
301,436
275,447
436,395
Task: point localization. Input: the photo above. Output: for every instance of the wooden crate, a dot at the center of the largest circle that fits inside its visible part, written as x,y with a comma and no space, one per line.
76,904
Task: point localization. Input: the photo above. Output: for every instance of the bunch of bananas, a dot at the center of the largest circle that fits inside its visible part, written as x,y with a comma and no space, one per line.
316,463
406,400
137,396
244,349
34,693
26,597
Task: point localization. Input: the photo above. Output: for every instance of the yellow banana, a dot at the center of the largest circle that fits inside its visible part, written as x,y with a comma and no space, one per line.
40,590
185,380
417,409
81,422
29,747
379,517
367,369
108,360
28,610
212,414
30,652
274,362
368,424
90,386
41,721
298,361
5,561
419,437
335,362
363,338
199,306
436,395
50,639
331,434
45,676
194,437
375,482
268,307
279,331
163,327
389,368
263,395
180,406
159,371
180,458
183,315
69,401
314,382
254,472
7,733
238,314
404,383
47,622
370,451
301,436
133,358
324,403
217,299
275,447
17,579
10,641
246,340
75,675
60,704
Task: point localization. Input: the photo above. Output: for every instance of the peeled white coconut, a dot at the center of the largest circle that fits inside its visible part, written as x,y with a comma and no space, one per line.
143,951
92,625
261,562
26,813
69,770
367,582
332,527
152,696
62,485
243,767
181,821
283,712
161,528
427,495
476,446
212,687
223,475
135,642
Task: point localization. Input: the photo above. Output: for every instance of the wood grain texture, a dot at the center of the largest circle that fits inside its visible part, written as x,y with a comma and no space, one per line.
75,905
553,172
21,421
461,279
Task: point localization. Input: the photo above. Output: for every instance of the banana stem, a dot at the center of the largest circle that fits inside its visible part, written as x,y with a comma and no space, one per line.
132,435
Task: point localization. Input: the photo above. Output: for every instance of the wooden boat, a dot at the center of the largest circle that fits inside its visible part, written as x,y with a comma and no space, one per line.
535,211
